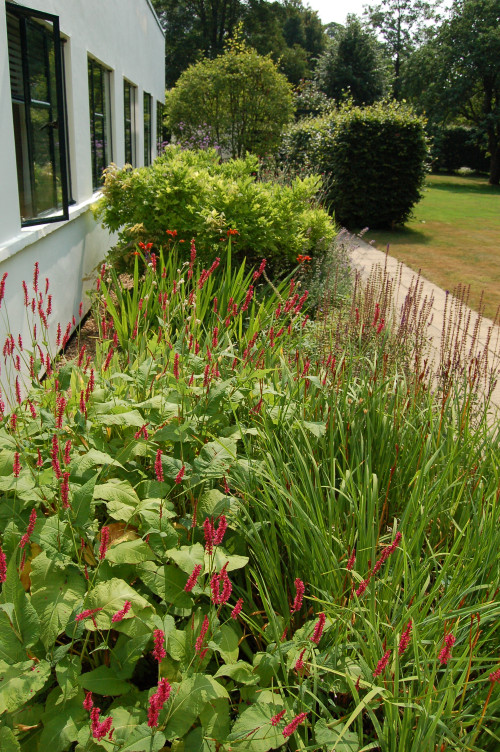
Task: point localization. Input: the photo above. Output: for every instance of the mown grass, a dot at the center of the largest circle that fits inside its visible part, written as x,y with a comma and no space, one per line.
453,238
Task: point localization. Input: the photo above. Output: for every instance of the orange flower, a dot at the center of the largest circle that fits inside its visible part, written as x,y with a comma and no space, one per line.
302,259
232,232
172,233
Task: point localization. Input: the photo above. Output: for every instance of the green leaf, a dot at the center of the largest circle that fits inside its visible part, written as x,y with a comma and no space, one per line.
213,503
220,558
225,641
328,737
317,429
11,647
241,672
143,739
126,653
20,683
215,458
130,552
24,618
187,557
103,681
215,719
189,699
110,597
62,721
92,459
128,418
168,582
54,537
67,672
54,595
81,502
253,732
8,742
121,497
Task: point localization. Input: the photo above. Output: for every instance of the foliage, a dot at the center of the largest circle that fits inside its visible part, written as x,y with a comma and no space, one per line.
309,101
457,73
403,25
455,146
353,64
378,165
334,473
308,142
201,197
240,96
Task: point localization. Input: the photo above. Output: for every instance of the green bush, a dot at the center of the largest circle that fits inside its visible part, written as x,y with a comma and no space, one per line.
373,161
196,195
455,146
240,96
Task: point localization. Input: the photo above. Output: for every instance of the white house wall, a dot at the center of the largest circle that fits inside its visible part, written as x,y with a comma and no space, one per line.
125,37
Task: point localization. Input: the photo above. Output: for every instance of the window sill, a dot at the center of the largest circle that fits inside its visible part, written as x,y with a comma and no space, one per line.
29,235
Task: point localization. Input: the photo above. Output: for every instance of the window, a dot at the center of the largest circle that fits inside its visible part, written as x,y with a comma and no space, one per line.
159,128
100,120
129,97
38,111
147,129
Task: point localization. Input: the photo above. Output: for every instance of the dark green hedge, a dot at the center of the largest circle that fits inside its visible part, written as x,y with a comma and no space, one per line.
456,146
373,160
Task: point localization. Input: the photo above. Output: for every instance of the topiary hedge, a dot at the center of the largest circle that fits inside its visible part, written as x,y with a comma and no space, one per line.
373,160
196,195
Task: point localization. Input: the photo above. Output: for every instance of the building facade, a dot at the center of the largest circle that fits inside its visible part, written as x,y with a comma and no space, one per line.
82,85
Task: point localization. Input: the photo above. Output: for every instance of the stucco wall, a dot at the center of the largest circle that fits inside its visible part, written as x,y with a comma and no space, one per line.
125,36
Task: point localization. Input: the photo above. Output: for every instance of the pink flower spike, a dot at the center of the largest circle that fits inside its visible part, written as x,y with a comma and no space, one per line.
318,629
199,640
221,530
278,717
158,467
494,677
445,654
159,651
292,726
351,560
3,566
88,703
89,613
299,663
193,578
121,614
29,530
180,475
237,609
209,532
299,595
104,542
405,638
16,467
382,664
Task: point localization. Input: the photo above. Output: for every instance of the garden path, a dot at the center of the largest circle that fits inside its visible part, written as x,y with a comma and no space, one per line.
365,259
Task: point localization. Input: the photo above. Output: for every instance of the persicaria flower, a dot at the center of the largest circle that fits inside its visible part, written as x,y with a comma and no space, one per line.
299,595
176,366
387,552
159,651
100,729
108,359
67,452
248,298
16,467
299,663
318,629
88,703
158,466
292,726
495,676
89,613
382,664
237,609
29,530
157,701
351,560
180,475
65,491
121,614
278,717
361,589
199,640
104,542
405,638
208,529
219,597
261,268
193,578
445,653
221,530
3,566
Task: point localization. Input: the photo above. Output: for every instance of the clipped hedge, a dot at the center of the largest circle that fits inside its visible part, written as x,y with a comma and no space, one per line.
197,196
455,146
373,161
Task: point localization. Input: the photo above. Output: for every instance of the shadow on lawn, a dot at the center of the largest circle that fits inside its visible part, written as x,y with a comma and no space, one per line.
470,184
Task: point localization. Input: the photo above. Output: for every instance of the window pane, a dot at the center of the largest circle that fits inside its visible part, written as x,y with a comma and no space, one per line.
100,137
159,128
38,116
129,122
147,128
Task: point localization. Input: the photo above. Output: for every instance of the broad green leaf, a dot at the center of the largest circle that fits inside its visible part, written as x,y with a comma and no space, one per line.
110,597
187,557
242,672
20,485
8,742
128,418
54,537
220,558
81,502
54,595
103,681
215,719
316,428
6,461
143,739
188,700
67,672
20,683
213,503
62,721
126,653
225,641
117,490
168,582
24,618
93,458
130,552
215,458
11,647
252,730
327,737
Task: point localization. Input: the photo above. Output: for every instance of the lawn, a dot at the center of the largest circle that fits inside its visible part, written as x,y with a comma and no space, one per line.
454,237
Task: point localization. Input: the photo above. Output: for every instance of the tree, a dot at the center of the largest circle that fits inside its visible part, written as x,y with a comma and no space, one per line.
240,98
457,73
354,63
401,24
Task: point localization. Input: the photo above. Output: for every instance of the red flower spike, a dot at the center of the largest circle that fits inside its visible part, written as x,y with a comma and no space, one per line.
199,641
180,475
445,654
382,664
495,676
299,663
158,465
278,717
405,638
16,467
159,651
221,530
237,609
88,703
193,578
3,566
119,615
292,726
318,629
104,542
299,595
29,530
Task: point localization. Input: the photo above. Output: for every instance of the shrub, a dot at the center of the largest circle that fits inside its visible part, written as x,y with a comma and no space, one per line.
308,142
241,97
197,196
309,101
455,146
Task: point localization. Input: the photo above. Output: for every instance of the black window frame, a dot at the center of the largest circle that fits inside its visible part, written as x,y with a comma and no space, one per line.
148,127
159,126
129,123
107,153
24,14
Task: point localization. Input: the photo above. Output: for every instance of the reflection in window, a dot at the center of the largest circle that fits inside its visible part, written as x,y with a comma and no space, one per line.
36,79
147,129
100,120
129,95
160,140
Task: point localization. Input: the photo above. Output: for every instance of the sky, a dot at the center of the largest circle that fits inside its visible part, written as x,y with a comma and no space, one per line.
337,10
